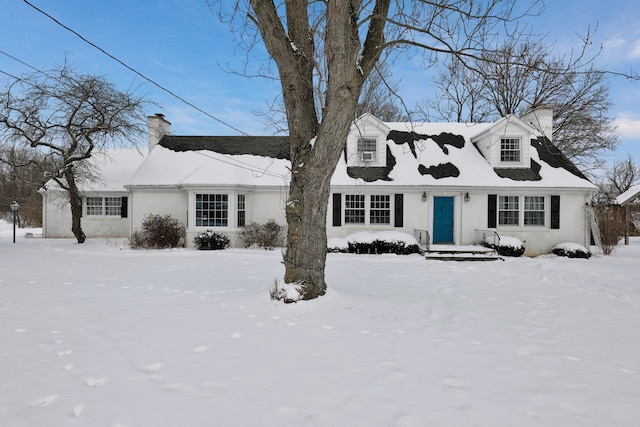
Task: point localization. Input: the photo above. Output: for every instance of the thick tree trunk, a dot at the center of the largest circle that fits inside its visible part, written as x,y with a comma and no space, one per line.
313,162
75,199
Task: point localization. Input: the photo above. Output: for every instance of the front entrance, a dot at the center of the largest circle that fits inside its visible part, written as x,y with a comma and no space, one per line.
443,219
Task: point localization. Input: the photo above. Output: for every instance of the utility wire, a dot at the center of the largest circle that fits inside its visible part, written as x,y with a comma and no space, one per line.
231,161
159,86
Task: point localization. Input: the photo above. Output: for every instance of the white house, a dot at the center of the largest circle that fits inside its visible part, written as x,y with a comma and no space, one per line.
450,183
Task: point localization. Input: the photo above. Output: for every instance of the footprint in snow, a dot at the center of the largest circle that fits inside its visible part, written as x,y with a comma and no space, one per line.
77,411
95,382
235,335
200,349
327,327
154,367
65,352
455,382
46,401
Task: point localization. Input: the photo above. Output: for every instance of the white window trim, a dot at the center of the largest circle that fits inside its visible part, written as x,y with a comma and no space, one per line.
521,211
367,210
232,208
355,156
103,207
519,150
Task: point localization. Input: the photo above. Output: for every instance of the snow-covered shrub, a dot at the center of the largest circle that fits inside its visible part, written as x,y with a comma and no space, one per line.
571,250
508,246
382,242
159,232
337,244
268,235
211,241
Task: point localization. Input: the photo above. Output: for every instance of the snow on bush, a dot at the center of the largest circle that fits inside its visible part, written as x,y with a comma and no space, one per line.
375,243
338,244
210,241
508,246
571,250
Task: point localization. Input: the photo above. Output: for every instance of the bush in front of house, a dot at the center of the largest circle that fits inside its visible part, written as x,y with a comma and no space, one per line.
571,250
268,235
210,241
508,246
384,242
337,245
159,232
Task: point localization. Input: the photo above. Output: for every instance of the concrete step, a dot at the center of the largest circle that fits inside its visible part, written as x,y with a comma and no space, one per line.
460,253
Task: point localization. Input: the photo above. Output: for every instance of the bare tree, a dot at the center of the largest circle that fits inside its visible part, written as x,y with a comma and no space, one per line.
20,180
522,75
323,53
65,118
623,175
379,96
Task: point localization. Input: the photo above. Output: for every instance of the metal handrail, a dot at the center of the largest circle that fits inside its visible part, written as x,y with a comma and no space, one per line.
423,238
489,238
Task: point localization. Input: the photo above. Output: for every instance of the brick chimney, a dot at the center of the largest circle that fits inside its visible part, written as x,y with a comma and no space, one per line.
541,118
158,127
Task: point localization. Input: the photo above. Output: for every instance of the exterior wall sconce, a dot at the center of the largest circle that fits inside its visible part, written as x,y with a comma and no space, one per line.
466,197
424,196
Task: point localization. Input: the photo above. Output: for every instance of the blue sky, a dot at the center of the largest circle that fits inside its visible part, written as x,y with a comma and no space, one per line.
181,45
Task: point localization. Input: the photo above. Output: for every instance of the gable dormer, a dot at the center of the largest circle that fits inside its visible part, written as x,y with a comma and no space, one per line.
367,142
507,143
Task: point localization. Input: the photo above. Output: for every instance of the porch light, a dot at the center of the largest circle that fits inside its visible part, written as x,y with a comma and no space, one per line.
14,208
424,196
466,197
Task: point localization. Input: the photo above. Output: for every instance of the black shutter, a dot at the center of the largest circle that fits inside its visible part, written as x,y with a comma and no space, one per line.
398,220
124,207
337,209
555,212
492,211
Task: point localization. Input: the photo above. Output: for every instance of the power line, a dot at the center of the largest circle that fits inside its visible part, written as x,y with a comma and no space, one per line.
231,161
159,86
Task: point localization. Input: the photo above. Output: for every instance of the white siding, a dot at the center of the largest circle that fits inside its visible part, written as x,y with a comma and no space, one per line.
57,219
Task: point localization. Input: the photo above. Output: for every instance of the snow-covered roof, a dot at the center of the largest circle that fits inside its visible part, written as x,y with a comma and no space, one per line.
114,168
628,196
418,154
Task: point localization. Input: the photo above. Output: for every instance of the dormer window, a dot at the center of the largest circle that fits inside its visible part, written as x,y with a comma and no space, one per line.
510,150
367,149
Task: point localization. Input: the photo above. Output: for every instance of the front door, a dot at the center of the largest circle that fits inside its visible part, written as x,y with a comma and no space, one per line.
443,220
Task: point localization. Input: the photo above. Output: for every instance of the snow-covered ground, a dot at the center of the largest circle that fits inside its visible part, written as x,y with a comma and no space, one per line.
101,335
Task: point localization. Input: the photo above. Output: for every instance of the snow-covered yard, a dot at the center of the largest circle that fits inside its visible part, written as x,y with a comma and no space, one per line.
101,335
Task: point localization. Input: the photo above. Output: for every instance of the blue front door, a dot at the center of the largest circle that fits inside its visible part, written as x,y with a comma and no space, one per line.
443,220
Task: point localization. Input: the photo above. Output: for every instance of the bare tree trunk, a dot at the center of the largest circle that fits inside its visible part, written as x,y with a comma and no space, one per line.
75,199
313,161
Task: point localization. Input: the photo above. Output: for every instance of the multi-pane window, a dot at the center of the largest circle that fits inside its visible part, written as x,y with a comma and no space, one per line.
354,209
367,149
534,210
97,206
94,206
510,150
380,209
242,212
508,210
112,206
212,210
